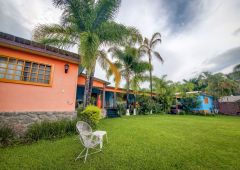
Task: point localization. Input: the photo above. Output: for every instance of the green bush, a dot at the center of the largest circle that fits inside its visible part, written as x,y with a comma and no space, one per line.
145,104
121,107
91,115
51,130
6,135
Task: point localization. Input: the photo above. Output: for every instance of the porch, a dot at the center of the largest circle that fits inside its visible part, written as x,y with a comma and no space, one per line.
106,98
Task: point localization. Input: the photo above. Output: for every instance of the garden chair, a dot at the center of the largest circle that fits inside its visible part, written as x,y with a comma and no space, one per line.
89,139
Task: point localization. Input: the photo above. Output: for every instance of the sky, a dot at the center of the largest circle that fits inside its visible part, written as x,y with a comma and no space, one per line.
197,35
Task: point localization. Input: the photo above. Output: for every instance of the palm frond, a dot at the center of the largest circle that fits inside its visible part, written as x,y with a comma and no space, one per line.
59,43
139,67
144,48
116,53
52,30
112,33
156,35
158,56
155,42
60,3
105,10
108,65
82,13
88,50
236,68
146,41
56,35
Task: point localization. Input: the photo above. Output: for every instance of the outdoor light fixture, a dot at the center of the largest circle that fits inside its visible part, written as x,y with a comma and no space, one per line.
66,67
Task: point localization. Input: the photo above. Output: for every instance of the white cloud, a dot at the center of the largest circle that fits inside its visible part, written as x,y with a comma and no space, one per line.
186,50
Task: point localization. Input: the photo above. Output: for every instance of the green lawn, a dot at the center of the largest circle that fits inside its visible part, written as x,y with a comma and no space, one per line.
141,142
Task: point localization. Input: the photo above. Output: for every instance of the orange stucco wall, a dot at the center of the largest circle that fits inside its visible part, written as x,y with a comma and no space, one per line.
96,83
60,96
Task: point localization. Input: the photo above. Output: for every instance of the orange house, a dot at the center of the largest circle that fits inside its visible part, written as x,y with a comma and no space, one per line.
39,82
36,81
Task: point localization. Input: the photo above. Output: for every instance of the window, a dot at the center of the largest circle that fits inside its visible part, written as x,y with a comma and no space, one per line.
18,70
206,100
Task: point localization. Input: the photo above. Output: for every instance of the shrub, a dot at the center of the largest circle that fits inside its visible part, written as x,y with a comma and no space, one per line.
121,107
51,130
6,135
145,104
91,115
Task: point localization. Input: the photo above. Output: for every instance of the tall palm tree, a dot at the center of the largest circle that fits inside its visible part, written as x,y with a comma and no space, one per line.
148,47
89,25
129,63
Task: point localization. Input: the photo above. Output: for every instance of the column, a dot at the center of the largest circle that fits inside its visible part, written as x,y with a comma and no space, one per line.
103,98
114,100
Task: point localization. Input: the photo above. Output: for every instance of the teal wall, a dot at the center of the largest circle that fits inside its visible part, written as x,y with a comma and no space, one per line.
204,106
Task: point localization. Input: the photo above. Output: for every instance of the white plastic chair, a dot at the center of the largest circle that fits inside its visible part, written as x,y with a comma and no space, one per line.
88,139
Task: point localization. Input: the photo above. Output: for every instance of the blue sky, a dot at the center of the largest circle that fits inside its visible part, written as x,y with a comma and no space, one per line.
197,35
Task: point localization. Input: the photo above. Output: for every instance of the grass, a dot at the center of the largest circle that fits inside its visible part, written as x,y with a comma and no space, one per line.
141,142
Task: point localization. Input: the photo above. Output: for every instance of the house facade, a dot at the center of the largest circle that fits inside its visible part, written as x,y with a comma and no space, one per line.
37,82
206,104
229,105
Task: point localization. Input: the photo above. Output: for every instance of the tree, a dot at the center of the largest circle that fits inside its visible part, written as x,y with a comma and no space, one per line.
129,63
89,25
236,68
220,85
165,92
148,47
235,74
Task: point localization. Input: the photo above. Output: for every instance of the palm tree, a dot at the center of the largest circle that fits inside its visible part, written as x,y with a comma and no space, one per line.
148,48
89,25
129,63
236,68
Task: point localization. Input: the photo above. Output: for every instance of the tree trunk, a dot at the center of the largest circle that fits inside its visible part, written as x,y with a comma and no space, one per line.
91,77
127,79
150,73
86,90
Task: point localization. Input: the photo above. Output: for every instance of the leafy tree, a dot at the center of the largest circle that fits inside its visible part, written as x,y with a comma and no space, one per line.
165,92
235,74
189,101
129,64
89,25
236,68
148,47
220,85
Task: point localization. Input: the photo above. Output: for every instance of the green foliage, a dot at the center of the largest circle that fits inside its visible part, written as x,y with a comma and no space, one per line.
190,101
217,85
7,136
121,107
89,25
165,92
145,105
51,130
130,65
91,115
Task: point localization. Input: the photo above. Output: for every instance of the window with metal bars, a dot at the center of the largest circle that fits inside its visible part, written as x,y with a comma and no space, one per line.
19,70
